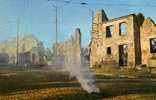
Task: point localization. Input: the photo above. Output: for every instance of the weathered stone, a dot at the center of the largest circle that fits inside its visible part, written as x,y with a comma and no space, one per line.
114,46
69,50
148,31
29,50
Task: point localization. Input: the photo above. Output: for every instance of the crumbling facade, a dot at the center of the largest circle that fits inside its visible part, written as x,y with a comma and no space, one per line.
123,41
30,51
69,50
34,56
148,42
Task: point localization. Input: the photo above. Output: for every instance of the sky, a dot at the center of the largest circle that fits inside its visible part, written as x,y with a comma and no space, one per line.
37,17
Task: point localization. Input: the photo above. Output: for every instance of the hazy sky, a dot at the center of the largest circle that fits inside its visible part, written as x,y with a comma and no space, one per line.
37,17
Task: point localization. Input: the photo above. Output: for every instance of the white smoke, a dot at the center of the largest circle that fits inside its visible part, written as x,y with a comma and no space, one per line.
80,70
74,62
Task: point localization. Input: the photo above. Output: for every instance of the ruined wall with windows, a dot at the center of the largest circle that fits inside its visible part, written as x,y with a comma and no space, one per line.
148,42
114,41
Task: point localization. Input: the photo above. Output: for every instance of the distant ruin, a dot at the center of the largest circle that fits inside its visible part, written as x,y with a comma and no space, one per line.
67,49
31,51
125,41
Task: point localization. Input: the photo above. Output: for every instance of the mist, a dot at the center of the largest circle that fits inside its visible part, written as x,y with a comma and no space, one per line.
71,57
80,69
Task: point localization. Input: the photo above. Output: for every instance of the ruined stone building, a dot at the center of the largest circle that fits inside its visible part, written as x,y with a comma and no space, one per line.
69,50
30,51
33,56
125,41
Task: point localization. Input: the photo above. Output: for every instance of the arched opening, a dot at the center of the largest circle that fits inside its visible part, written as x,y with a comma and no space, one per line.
123,28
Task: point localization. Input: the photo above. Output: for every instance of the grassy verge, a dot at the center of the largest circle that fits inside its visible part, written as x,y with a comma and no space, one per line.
52,85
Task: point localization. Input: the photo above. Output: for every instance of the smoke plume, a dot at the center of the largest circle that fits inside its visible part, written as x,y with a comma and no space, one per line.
73,61
80,70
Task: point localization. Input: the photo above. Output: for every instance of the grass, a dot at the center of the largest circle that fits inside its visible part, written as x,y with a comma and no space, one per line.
52,85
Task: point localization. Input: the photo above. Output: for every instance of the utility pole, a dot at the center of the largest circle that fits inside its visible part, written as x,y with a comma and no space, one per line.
56,29
17,43
92,15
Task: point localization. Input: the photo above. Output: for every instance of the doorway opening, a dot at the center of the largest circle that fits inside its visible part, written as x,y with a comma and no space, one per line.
123,55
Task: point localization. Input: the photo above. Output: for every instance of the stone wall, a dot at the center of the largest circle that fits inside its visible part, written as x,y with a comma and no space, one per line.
28,45
148,31
70,49
100,42
107,38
